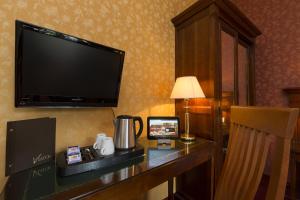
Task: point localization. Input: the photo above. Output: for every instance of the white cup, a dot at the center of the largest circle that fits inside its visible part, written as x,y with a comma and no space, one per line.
107,147
100,137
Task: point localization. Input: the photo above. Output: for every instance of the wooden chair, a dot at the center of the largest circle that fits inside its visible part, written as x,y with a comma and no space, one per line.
251,132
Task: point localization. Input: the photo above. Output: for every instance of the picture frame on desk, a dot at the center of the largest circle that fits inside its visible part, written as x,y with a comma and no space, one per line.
163,127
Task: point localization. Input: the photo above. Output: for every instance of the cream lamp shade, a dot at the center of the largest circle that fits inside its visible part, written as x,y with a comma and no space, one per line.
187,87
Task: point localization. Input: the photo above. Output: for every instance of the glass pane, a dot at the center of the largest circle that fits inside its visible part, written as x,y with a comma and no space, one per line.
243,62
227,51
227,62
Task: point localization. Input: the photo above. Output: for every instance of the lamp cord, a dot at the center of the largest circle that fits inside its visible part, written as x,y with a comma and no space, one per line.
113,113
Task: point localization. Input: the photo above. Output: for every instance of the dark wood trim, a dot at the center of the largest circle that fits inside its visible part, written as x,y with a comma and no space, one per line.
170,189
250,85
193,19
236,67
215,64
213,184
213,50
251,77
227,9
292,90
238,17
228,29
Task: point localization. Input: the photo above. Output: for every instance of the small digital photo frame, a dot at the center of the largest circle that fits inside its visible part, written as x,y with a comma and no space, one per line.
159,128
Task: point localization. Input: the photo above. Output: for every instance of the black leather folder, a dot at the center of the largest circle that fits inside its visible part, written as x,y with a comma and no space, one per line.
29,143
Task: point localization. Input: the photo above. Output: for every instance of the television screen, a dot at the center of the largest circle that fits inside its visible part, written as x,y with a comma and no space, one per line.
55,69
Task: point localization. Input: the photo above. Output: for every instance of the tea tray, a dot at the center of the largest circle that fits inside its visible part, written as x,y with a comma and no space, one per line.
92,160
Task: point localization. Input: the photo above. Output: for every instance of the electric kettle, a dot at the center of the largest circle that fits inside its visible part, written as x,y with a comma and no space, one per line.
125,131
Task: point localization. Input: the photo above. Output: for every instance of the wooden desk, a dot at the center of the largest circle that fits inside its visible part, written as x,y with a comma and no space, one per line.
122,182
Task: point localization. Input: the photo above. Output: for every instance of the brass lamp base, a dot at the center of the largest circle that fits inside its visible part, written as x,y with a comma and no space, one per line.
187,137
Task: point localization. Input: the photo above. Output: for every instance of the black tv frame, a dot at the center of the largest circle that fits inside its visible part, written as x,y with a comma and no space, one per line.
58,101
162,118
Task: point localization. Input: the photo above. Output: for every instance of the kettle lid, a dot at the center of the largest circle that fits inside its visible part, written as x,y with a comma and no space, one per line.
124,117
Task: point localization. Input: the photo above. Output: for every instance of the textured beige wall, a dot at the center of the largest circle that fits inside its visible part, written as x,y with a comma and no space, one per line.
140,27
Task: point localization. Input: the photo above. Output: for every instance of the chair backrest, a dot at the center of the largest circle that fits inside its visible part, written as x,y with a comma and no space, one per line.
251,132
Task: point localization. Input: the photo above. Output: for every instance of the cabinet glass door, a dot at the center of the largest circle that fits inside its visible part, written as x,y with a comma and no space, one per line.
243,66
227,63
228,74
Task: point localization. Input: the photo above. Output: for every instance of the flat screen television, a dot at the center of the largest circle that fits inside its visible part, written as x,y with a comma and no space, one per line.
54,69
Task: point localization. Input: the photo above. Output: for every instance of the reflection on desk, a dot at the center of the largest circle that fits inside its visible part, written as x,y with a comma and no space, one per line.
31,184
157,156
43,182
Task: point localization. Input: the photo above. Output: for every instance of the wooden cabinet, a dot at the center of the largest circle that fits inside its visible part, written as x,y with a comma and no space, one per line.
215,41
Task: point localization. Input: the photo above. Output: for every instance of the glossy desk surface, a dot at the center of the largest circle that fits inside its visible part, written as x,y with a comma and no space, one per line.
44,183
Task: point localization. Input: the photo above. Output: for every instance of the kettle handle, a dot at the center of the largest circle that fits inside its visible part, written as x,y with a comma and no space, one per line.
139,119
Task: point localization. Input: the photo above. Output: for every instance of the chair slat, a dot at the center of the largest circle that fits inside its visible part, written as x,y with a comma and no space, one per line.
232,140
233,134
246,166
259,167
234,162
243,139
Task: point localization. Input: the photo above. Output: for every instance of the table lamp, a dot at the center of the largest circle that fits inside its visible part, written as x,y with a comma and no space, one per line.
187,87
